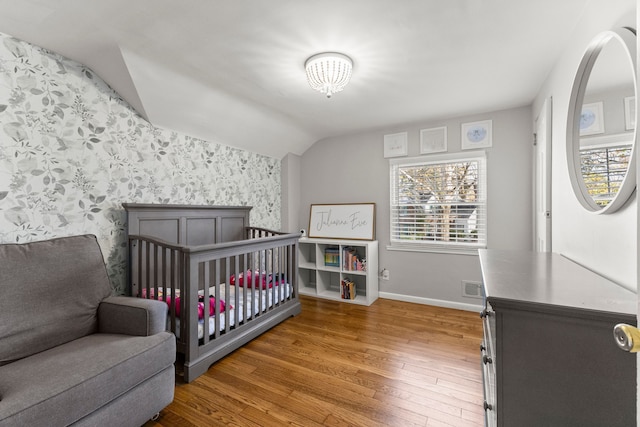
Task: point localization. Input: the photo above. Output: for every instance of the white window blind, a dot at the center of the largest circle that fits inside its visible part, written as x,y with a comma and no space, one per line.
439,202
603,170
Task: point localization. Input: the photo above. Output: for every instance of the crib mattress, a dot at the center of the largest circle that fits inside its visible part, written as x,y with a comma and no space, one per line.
253,299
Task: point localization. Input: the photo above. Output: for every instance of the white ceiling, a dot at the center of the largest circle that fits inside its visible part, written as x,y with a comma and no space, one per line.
231,71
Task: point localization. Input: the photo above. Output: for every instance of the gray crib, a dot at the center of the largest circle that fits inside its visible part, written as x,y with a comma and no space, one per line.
224,281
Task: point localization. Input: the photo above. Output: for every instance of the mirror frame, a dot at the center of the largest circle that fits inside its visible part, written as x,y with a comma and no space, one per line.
627,37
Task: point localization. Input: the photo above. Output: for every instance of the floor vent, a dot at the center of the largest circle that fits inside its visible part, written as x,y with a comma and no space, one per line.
471,289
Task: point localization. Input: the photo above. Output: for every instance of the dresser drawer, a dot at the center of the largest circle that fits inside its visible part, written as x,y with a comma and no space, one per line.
489,340
489,330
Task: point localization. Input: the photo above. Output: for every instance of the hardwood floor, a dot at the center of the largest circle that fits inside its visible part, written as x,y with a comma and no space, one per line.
337,364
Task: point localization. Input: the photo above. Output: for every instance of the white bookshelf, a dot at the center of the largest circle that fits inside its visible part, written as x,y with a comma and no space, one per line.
323,281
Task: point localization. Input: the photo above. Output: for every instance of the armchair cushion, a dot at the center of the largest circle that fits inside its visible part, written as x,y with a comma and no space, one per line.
66,383
131,316
50,293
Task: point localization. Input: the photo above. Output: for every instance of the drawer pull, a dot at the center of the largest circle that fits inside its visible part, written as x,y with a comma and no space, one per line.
486,360
487,406
485,313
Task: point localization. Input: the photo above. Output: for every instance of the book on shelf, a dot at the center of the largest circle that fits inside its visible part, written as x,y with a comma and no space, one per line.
351,261
347,289
332,257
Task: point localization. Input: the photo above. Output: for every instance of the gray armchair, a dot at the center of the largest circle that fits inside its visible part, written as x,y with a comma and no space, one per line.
70,353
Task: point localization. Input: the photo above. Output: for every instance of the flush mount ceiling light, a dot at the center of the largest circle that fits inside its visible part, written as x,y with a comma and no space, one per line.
328,72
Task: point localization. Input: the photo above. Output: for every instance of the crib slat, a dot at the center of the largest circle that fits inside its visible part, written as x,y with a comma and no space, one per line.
147,265
172,285
271,260
163,271
184,280
248,314
203,285
285,274
291,277
236,295
282,287
248,288
227,314
217,321
138,266
258,288
189,302
154,269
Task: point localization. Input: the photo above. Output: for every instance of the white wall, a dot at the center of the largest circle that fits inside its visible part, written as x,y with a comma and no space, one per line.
352,169
603,243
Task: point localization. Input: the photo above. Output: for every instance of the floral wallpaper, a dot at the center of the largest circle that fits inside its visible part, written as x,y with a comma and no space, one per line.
72,150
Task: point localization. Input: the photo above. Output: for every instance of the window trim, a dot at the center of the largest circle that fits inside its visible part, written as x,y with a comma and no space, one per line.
440,247
608,173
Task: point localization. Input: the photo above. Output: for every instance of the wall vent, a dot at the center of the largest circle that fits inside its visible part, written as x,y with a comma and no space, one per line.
471,289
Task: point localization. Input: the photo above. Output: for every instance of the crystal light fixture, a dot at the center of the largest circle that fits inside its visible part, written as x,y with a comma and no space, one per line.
328,72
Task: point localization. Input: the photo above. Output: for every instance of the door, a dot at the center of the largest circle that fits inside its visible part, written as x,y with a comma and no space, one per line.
542,179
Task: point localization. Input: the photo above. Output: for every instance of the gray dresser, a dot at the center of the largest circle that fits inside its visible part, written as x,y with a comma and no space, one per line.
548,356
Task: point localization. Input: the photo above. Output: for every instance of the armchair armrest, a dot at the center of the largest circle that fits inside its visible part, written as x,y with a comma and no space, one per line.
131,316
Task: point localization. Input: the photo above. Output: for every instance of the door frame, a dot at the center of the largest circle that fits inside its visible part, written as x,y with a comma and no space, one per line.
542,221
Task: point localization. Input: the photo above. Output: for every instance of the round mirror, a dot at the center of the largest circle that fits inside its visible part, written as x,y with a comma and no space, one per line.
601,123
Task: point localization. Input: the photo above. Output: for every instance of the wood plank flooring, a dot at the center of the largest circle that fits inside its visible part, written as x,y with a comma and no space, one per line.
337,364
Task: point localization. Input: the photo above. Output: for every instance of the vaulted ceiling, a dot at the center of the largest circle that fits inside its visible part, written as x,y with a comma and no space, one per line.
232,71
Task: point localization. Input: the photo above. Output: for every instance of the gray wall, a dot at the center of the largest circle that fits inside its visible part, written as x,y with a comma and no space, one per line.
606,244
290,178
351,169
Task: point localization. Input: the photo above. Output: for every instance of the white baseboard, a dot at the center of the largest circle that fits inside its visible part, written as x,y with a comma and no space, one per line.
430,301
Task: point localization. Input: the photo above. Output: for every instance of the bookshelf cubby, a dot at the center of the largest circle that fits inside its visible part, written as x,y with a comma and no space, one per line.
324,263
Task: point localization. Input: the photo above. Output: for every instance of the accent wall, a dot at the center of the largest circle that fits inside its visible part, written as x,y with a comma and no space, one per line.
72,150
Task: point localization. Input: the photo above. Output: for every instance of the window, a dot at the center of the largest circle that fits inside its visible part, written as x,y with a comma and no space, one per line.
603,170
438,203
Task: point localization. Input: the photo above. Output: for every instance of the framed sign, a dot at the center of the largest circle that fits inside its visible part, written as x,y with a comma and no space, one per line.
433,140
343,221
395,144
476,135
592,119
